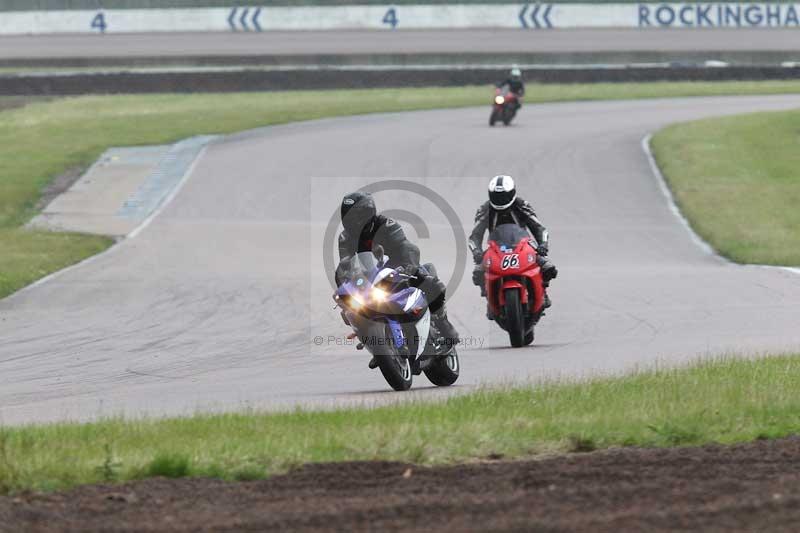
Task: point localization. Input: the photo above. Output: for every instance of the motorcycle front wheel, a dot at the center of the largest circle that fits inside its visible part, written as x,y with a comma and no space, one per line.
508,115
515,322
395,367
493,117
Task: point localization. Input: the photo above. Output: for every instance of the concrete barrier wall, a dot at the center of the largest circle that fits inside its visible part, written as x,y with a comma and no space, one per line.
522,16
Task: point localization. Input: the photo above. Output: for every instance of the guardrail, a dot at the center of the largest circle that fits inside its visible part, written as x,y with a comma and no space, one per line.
532,17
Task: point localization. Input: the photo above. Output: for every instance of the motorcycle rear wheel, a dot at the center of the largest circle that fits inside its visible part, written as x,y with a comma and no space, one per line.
445,371
515,322
395,367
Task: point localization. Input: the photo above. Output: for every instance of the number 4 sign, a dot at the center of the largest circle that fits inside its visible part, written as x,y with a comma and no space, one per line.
390,18
99,22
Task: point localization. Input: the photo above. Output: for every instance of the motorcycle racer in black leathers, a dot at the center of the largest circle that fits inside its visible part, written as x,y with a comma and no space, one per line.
505,207
515,84
364,230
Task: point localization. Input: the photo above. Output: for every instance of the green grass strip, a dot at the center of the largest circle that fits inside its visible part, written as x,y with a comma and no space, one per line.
737,180
43,140
722,400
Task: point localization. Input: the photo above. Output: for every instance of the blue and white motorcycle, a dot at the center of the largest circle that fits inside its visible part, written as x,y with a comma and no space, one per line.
391,319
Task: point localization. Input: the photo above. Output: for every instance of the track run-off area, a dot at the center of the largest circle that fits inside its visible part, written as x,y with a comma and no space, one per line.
220,303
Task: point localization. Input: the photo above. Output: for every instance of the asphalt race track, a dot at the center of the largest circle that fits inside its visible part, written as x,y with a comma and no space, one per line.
397,42
216,304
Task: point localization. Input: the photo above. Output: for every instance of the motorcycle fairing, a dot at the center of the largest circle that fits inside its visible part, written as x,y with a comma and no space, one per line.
403,305
499,268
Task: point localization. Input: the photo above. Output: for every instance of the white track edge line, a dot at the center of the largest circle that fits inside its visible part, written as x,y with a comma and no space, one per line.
171,196
114,247
673,206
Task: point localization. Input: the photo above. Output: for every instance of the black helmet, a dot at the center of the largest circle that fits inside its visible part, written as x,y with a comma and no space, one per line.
502,192
358,210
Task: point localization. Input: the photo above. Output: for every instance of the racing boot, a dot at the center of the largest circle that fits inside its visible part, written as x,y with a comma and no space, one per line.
546,284
445,327
549,270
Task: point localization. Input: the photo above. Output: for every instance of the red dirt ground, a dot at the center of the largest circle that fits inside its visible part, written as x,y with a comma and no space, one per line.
751,487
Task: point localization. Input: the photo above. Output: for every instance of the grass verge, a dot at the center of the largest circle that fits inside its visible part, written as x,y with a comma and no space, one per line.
42,140
737,180
723,400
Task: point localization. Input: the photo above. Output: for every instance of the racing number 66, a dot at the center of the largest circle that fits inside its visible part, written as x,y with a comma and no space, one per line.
510,261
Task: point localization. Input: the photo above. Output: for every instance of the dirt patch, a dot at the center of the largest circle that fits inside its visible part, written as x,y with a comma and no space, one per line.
752,487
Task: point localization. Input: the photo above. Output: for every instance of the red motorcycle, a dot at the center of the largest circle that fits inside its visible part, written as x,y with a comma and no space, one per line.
513,280
505,106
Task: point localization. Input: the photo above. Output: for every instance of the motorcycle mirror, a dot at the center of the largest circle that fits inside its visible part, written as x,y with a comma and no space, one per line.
378,253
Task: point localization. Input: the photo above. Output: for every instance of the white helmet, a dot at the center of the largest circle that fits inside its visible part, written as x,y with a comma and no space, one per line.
516,72
502,192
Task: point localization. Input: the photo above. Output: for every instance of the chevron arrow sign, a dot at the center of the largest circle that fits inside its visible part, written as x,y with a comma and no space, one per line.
535,16
244,19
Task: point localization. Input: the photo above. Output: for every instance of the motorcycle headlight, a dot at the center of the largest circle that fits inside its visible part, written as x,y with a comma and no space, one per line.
499,100
378,295
355,302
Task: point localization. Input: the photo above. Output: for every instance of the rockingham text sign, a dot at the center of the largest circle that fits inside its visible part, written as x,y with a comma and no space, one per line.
718,15
535,16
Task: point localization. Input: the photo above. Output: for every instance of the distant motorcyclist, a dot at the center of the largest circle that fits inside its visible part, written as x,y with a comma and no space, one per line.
365,229
505,207
515,85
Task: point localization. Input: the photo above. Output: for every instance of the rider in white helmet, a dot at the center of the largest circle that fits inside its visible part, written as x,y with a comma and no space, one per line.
505,207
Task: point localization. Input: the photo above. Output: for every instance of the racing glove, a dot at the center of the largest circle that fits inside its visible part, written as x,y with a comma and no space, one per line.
477,253
477,256
543,249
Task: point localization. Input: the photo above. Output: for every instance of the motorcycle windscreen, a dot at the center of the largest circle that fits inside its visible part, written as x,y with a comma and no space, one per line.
508,235
358,268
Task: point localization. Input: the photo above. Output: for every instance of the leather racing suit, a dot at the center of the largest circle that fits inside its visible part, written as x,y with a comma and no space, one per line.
387,233
520,213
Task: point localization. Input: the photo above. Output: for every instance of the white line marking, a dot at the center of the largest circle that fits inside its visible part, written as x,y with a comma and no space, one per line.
673,206
171,196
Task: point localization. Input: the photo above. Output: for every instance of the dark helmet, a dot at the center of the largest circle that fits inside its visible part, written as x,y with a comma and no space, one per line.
358,210
502,192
